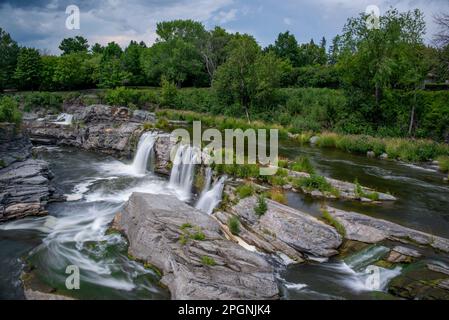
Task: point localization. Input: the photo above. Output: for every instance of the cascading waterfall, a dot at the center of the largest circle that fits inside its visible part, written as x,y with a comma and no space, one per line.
211,198
208,180
144,148
182,173
64,119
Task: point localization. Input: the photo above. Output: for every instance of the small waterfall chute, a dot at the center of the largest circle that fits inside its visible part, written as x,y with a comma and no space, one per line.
64,119
144,148
183,170
211,198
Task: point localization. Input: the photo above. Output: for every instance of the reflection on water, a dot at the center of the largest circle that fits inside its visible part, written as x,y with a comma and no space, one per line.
423,197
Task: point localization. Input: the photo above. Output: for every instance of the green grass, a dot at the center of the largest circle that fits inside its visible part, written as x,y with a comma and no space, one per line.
333,222
314,182
443,163
208,261
245,190
234,225
327,140
358,191
261,207
302,164
277,195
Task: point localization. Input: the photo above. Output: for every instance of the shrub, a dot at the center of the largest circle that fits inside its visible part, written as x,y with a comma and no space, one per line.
282,163
277,195
261,206
443,162
208,261
277,181
315,182
327,140
9,110
46,100
302,164
234,225
169,93
245,190
162,124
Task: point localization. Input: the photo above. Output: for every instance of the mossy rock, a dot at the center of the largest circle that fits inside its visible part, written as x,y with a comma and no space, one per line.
418,282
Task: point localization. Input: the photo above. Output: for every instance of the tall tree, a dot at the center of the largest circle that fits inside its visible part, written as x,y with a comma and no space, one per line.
132,62
72,45
9,51
286,47
441,38
29,67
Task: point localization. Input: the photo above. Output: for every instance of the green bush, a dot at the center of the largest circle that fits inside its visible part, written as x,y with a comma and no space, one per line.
245,190
443,163
208,261
234,225
302,164
261,206
46,100
314,182
277,195
9,110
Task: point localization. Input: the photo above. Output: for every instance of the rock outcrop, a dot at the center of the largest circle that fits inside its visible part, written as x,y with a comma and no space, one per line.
196,259
101,128
25,187
284,230
367,229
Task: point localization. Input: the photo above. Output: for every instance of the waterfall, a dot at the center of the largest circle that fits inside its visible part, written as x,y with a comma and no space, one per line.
64,119
211,198
183,168
146,143
208,180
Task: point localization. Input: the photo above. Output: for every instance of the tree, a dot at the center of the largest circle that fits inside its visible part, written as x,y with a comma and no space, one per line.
212,48
9,51
49,65
28,71
73,45
441,38
373,60
187,30
112,72
311,54
286,47
248,78
71,72
132,63
97,48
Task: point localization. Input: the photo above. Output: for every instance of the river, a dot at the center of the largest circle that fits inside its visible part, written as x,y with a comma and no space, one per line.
97,185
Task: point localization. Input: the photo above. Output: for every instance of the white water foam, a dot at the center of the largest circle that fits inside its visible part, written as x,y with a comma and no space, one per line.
210,199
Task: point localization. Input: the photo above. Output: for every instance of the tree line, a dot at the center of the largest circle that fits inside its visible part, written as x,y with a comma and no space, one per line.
371,66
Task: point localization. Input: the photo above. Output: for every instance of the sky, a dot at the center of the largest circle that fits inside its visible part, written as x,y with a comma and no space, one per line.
42,24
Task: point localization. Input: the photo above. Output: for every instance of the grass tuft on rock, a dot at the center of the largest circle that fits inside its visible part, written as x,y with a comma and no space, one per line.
261,207
335,223
208,261
234,225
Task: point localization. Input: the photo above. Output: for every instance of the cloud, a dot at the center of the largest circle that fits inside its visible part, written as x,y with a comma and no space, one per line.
41,23
287,21
223,17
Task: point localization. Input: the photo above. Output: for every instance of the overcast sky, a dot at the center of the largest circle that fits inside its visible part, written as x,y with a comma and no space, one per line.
41,24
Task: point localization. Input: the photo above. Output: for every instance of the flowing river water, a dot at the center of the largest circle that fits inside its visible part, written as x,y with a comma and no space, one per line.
75,232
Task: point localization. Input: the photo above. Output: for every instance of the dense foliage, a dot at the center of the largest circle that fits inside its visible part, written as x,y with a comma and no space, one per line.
367,81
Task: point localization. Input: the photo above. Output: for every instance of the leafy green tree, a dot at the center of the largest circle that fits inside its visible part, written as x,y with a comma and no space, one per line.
29,67
187,30
112,71
249,78
97,49
49,65
311,54
71,72
212,48
9,51
132,63
74,45
286,47
374,60
9,110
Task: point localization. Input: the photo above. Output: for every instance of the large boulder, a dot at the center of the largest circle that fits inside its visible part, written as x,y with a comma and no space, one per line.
284,229
25,187
196,259
367,229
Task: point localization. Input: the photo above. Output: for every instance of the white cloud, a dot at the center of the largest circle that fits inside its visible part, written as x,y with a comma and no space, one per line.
226,16
287,21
